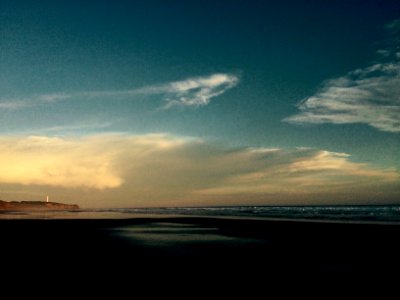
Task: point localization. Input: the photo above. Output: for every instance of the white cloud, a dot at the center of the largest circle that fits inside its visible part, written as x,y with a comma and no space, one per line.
167,170
199,91
369,95
196,91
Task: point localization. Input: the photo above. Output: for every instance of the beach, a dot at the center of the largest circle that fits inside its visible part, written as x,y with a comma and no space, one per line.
198,250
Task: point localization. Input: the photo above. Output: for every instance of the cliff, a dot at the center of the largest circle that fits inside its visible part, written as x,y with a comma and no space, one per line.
35,205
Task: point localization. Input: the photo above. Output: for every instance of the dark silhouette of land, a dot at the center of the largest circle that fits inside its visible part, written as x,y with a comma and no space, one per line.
34,206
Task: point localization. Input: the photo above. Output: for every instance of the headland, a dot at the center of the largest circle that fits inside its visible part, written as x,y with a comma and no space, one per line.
35,206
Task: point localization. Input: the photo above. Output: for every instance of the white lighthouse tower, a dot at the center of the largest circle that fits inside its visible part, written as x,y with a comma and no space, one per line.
47,198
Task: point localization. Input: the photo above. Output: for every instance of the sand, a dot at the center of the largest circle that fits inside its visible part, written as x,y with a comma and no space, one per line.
196,251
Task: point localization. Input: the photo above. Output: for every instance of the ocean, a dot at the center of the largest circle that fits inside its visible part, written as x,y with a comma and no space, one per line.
371,213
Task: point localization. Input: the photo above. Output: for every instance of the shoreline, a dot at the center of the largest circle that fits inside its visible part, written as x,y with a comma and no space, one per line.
93,215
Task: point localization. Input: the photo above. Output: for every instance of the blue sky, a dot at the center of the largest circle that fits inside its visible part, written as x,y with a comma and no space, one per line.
233,76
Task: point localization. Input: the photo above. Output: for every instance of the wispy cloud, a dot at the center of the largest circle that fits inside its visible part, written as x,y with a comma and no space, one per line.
13,104
53,97
195,92
81,126
369,95
164,167
393,27
30,101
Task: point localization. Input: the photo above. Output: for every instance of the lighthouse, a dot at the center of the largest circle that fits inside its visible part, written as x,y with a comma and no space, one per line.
47,198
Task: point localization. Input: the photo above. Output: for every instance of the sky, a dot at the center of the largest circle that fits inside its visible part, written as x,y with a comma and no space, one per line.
200,103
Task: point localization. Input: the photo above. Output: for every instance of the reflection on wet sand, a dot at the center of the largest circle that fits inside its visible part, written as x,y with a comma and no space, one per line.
181,239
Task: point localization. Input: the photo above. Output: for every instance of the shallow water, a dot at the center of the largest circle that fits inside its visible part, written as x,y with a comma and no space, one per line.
340,213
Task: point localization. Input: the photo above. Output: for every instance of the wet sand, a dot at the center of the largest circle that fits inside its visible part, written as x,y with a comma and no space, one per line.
197,250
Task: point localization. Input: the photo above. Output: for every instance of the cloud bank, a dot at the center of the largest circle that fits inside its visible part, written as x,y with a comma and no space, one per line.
368,95
160,168
195,92
59,162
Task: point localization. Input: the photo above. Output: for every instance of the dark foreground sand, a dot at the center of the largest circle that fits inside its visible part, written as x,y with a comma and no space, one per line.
198,252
